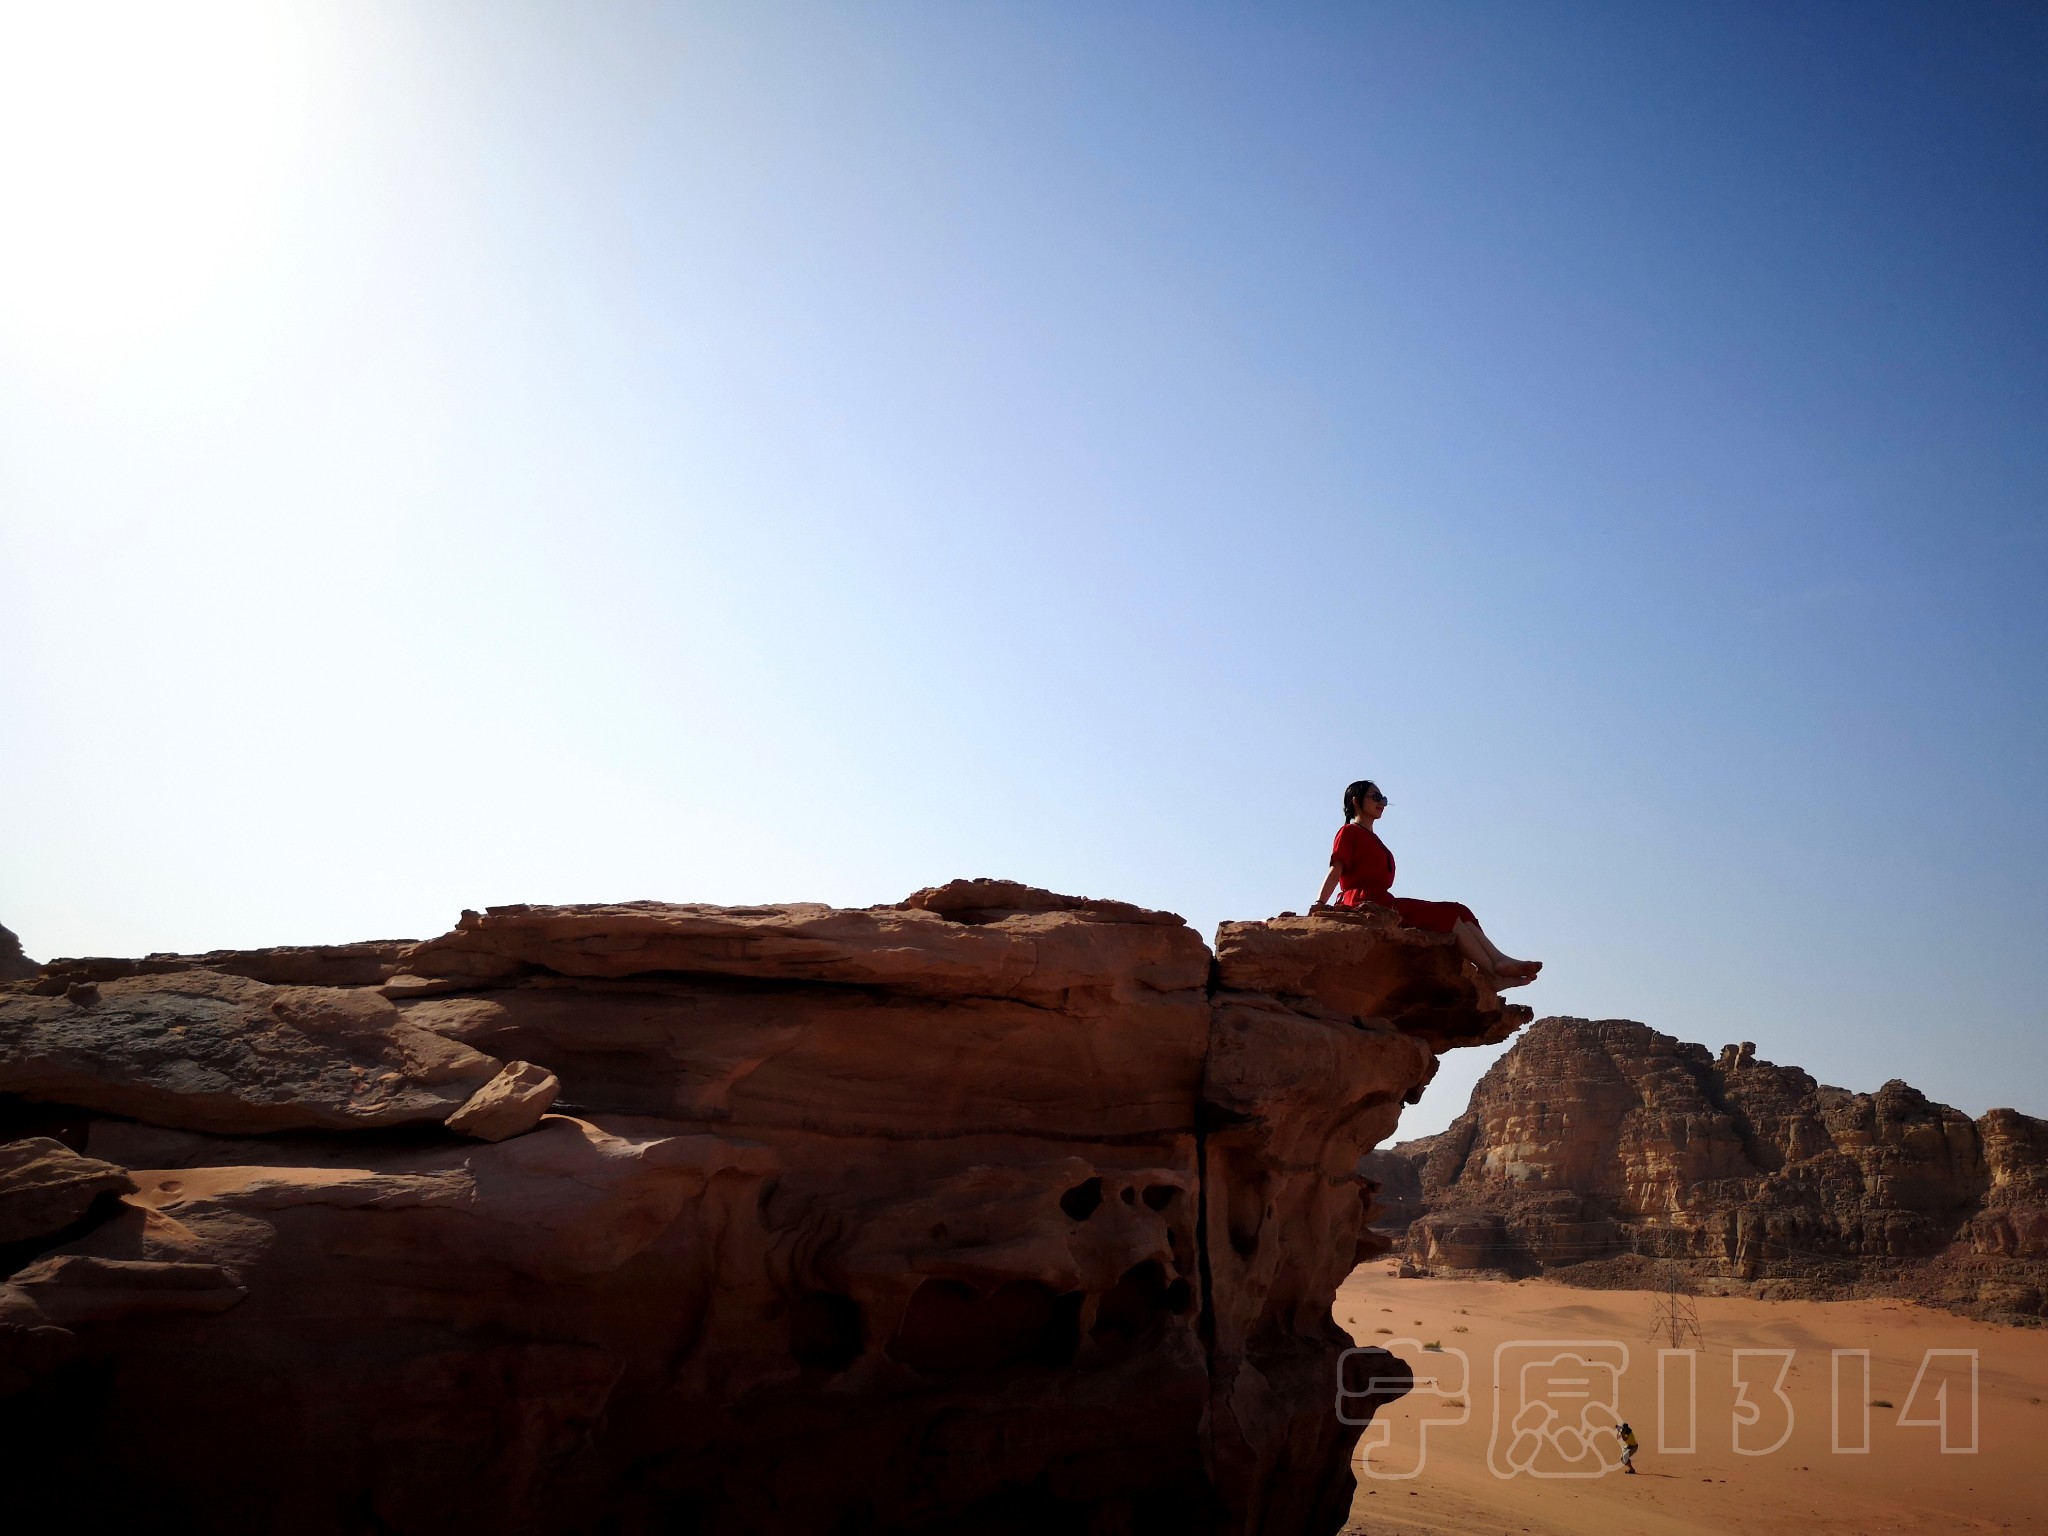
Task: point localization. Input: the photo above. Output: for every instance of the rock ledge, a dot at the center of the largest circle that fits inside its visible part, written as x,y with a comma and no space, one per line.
991,1210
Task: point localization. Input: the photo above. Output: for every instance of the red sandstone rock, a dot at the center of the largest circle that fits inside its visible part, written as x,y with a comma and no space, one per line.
1337,962
2013,1222
565,1201
1292,1101
73,1288
14,965
1596,1143
979,1213
1034,955
509,1104
45,1187
211,1052
308,965
992,900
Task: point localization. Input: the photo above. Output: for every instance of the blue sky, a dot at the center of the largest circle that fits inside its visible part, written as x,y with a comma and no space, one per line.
501,452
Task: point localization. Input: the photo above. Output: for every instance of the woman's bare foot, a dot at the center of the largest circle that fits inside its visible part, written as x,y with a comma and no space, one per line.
1515,973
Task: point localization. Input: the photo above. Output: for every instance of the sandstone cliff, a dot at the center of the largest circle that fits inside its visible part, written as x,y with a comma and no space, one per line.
992,1211
1592,1146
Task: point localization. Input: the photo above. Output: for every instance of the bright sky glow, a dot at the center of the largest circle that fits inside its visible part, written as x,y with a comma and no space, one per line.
144,151
508,451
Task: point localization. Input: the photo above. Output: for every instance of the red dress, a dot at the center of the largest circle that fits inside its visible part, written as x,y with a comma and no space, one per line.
1365,877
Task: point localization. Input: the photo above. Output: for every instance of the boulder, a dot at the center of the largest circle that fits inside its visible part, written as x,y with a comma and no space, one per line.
509,1104
45,1187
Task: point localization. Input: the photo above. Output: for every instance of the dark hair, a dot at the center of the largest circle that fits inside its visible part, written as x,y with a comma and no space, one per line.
1353,793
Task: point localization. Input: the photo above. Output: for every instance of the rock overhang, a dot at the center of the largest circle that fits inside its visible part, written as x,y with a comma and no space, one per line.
990,1151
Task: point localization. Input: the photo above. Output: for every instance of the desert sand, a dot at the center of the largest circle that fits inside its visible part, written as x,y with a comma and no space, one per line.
1903,1483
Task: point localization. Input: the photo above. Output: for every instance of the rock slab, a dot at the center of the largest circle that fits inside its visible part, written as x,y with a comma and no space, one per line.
208,1051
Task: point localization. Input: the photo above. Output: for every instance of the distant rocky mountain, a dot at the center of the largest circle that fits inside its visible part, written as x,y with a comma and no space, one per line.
1595,1150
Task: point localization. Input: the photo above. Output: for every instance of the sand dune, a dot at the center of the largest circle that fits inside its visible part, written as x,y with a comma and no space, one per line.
1903,1483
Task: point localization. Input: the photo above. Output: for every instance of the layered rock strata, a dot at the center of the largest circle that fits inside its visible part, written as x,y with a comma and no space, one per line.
995,1210
1592,1146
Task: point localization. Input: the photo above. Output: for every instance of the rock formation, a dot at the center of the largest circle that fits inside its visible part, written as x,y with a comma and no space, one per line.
991,1211
1591,1147
14,965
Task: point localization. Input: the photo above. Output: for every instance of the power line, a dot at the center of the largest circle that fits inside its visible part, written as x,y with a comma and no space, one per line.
1595,1248
1676,1314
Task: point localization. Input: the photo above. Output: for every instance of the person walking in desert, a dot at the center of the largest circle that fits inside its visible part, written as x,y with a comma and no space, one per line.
1362,873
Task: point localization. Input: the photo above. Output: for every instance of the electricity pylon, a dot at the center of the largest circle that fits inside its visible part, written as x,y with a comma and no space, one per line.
1676,1315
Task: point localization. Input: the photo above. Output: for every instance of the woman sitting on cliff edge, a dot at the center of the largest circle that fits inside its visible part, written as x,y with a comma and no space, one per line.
1362,870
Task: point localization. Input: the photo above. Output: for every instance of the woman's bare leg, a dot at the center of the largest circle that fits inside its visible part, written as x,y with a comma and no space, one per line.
1481,951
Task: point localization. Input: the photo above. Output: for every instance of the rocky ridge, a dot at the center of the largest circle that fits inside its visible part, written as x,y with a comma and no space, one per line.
1600,1150
994,1210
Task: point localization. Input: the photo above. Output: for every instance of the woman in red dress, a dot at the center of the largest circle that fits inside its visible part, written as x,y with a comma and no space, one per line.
1362,871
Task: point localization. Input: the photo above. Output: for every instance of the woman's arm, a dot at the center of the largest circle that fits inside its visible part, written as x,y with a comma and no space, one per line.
1329,884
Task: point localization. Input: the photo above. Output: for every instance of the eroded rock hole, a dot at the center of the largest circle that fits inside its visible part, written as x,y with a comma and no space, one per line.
949,1327
827,1332
1081,1201
1139,1302
1160,1196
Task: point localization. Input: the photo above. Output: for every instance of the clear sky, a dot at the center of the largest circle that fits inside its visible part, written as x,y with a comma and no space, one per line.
466,453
